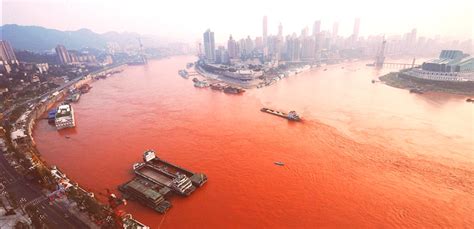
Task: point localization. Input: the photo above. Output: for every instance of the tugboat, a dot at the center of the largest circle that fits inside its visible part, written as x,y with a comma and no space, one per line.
292,115
233,90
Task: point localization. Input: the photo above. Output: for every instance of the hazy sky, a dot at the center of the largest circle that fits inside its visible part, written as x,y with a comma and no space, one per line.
187,20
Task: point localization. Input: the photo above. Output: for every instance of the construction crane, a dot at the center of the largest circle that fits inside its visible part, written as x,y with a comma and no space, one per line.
141,51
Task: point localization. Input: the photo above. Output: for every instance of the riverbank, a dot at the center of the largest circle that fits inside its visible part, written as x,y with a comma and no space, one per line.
79,202
403,81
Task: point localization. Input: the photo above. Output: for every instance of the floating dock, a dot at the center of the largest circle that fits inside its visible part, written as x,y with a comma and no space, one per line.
156,179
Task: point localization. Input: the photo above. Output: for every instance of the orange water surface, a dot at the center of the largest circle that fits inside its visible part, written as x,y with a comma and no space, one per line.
366,155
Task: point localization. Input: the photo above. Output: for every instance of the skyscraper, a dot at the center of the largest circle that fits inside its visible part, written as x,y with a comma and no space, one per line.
6,53
63,54
335,29
265,30
316,27
209,46
355,33
280,30
232,48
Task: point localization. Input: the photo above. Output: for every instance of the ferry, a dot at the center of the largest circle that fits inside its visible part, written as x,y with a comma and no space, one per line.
292,115
64,117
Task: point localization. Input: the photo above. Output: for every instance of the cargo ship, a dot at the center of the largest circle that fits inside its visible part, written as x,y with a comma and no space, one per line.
177,182
198,179
233,90
64,117
147,194
292,115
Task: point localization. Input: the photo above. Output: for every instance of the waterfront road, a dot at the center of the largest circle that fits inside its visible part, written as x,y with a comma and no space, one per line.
52,214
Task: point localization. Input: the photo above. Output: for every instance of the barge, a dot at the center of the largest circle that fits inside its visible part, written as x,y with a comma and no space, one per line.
198,179
147,194
177,182
292,115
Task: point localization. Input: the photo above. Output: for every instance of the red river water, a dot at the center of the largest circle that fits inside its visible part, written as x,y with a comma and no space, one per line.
366,155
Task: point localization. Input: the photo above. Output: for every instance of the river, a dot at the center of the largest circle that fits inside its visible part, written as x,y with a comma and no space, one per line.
366,155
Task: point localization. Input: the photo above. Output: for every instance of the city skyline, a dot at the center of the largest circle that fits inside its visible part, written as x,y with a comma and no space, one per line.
187,22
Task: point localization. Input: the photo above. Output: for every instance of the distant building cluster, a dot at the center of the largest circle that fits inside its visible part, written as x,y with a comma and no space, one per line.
72,57
318,45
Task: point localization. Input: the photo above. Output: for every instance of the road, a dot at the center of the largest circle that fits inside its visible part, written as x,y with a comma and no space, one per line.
53,214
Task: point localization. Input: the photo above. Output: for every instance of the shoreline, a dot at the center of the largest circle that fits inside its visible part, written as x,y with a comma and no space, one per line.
97,211
403,81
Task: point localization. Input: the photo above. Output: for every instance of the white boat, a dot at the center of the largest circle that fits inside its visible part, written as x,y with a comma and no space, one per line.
64,117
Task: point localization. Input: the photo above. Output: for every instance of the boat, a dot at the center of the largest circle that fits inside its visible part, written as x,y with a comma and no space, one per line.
325,69
64,117
292,115
469,100
217,86
201,84
373,81
52,115
189,65
195,79
74,97
279,163
183,73
233,90
84,88
416,91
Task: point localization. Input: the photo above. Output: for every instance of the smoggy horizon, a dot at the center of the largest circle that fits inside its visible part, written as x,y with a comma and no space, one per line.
187,21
